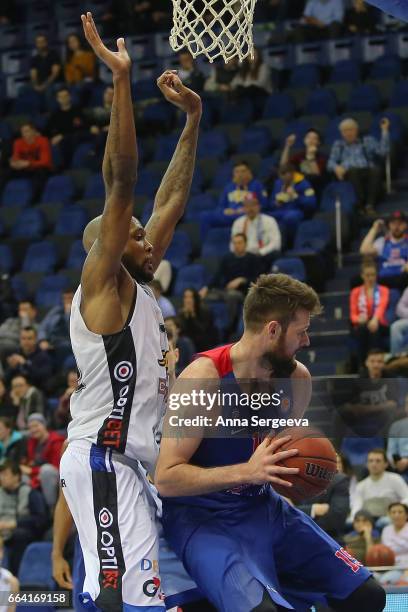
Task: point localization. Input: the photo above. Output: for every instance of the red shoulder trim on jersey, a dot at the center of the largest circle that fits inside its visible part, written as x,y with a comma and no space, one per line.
221,358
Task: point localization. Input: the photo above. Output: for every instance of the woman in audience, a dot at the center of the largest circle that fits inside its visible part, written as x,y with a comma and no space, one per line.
197,322
368,305
80,63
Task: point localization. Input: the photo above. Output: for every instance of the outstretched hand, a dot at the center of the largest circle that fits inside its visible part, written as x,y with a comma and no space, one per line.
118,61
178,94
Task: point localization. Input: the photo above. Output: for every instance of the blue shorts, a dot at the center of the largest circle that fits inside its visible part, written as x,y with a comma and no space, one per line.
234,555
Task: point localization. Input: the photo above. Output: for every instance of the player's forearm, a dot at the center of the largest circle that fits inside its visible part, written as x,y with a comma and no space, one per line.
186,479
119,167
175,186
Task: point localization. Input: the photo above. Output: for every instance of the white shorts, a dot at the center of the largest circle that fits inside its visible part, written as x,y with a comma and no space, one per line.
116,521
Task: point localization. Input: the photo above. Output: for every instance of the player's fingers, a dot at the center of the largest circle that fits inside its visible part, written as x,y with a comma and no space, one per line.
282,455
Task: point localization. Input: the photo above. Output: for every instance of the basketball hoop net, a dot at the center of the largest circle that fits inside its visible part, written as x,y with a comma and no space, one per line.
215,28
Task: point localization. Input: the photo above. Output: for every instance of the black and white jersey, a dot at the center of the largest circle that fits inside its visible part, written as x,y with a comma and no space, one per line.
123,386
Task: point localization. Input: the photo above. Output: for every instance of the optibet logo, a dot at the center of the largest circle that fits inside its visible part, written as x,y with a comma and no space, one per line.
123,371
105,518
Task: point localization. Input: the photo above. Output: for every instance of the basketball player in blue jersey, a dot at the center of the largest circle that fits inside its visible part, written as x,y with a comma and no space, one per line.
244,545
120,346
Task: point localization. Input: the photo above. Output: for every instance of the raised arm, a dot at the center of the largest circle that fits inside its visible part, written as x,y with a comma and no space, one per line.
120,164
173,193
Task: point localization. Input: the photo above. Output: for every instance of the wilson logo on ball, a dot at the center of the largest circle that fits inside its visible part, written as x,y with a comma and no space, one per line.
105,518
123,371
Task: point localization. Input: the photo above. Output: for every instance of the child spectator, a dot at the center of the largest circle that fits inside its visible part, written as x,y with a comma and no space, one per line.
368,305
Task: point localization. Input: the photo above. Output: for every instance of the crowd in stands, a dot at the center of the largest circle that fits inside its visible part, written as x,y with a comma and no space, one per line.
243,219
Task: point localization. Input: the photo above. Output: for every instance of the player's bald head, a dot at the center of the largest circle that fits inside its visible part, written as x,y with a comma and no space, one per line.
91,232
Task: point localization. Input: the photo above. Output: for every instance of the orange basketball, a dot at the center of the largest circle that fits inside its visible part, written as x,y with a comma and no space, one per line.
380,555
316,462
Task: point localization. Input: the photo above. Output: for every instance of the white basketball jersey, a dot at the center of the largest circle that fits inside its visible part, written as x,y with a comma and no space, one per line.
123,387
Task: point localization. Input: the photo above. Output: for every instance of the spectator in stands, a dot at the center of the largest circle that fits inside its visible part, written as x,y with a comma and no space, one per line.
6,405
380,488
12,442
166,306
80,63
397,444
66,125
368,305
395,536
45,67
321,19
262,231
391,249
399,329
54,328
27,400
62,414
30,360
234,275
31,158
23,513
356,160
41,464
292,199
188,71
330,509
164,274
196,321
253,79
183,344
360,18
10,329
232,198
222,76
310,161
363,536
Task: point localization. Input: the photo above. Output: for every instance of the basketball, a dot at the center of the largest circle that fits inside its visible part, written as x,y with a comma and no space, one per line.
316,461
380,555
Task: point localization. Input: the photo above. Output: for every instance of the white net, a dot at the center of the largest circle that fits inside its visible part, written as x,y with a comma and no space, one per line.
215,28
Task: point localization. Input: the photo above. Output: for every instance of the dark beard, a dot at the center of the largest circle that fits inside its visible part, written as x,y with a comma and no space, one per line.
280,367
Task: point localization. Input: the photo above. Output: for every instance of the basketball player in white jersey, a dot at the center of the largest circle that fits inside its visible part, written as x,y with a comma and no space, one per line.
120,345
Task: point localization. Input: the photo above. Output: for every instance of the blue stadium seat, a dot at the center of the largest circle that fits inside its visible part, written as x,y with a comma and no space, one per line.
179,250
193,275
279,106
255,140
40,257
36,566
293,266
399,95
165,147
197,204
58,188
216,242
313,235
82,155
6,259
30,224
386,67
345,71
71,221
95,187
50,290
212,144
240,111
17,192
321,102
76,256
306,75
364,98
342,190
